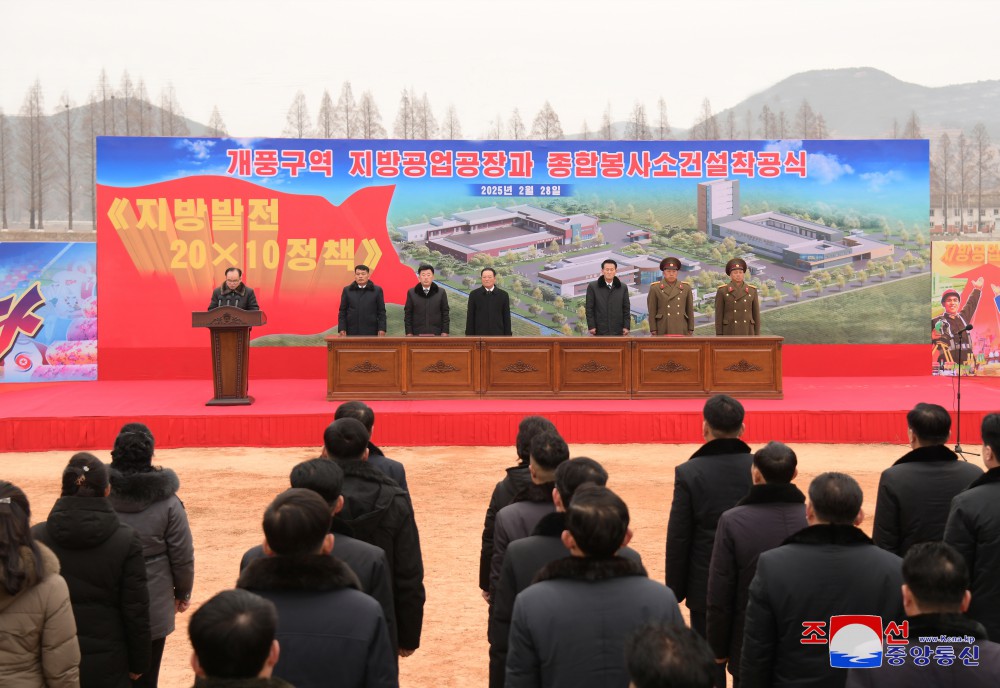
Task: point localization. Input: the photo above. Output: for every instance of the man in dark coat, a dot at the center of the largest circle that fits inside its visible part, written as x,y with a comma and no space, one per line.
712,481
363,412
914,494
234,293
101,559
773,510
737,304
935,596
515,482
973,528
569,628
232,636
949,328
527,556
517,520
489,308
829,569
326,626
426,309
362,307
608,310
380,513
368,562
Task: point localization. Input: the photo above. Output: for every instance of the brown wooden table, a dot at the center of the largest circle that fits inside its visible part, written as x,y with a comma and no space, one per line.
552,367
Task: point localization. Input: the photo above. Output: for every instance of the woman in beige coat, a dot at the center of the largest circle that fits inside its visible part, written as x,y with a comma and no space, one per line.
38,647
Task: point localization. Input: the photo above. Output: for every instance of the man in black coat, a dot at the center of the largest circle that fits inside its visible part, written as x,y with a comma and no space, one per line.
380,513
516,483
569,628
527,556
489,308
773,510
973,528
609,313
232,636
363,412
935,596
712,481
426,309
362,307
914,494
829,569
234,293
368,562
326,625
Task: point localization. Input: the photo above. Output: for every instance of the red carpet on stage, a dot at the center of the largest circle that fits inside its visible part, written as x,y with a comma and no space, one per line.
294,412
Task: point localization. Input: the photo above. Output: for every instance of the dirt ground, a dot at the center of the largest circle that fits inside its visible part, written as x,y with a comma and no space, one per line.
226,490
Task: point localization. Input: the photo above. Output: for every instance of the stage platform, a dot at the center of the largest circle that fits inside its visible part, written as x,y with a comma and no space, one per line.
293,413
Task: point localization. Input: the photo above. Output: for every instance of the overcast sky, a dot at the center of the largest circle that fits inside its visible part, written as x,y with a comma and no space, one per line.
485,57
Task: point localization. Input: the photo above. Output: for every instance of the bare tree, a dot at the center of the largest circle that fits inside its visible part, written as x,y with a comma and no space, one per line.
805,120
767,123
451,128
128,96
731,124
516,126
297,122
4,156
423,117
495,130
940,169
782,125
662,123
171,117
546,124
706,127
963,170
606,128
35,154
912,128
325,117
984,157
405,125
104,92
748,123
585,132
821,130
90,150
216,127
895,128
68,144
369,118
345,118
637,129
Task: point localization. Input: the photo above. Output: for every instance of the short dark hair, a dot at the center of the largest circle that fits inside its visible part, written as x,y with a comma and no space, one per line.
597,519
548,450
356,409
582,470
133,449
296,522
526,431
232,634
425,266
236,270
724,414
84,476
483,271
930,423
937,576
607,261
776,462
836,498
661,656
345,439
990,430
322,476
362,267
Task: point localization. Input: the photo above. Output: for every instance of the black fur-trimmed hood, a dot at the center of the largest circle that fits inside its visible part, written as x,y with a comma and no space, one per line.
303,572
255,682
773,493
829,534
533,492
551,525
590,570
133,492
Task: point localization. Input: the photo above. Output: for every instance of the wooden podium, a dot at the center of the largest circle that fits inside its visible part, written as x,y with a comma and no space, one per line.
230,329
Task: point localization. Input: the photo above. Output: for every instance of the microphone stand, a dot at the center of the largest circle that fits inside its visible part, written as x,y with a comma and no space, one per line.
958,368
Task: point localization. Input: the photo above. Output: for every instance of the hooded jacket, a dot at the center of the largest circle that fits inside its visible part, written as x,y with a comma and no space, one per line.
329,631
102,563
148,502
426,313
380,513
38,647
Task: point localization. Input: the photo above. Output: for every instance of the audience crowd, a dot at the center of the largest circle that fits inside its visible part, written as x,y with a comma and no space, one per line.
782,586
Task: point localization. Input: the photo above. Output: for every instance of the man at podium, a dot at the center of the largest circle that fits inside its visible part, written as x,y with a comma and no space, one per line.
233,292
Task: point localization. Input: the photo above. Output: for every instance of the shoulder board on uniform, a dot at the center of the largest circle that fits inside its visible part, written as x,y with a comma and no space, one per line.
749,287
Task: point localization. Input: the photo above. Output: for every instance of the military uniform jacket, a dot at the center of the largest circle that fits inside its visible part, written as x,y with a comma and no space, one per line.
952,327
671,308
737,310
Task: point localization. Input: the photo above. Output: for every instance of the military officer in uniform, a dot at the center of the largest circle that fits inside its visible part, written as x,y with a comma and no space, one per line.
737,305
671,306
949,328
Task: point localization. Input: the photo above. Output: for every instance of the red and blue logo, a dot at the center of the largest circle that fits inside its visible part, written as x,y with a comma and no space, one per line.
855,641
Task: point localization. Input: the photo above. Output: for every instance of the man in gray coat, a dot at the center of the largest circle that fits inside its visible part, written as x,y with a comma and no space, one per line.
569,628
607,305
426,309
